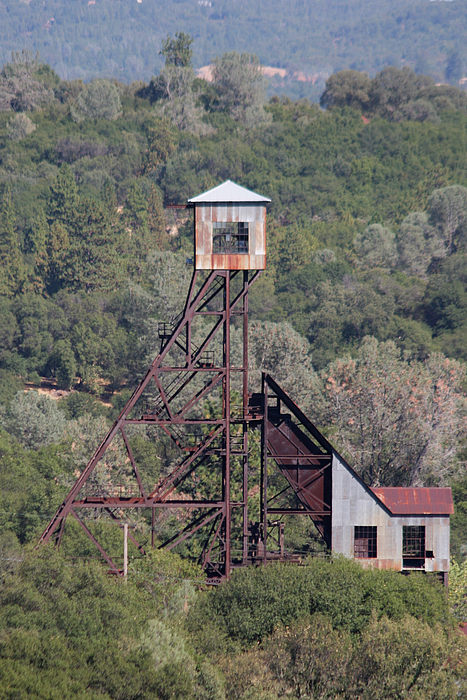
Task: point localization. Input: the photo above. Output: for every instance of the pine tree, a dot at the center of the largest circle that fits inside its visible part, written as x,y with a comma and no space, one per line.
94,260
63,202
37,253
12,267
57,249
161,144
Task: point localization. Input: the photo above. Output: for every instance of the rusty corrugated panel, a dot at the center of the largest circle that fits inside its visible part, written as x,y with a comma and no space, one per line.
416,501
203,262
206,214
308,476
259,233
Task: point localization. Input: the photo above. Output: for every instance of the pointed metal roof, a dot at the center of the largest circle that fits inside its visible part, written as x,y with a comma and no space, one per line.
228,191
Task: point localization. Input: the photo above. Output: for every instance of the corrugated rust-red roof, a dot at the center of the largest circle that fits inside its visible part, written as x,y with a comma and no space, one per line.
416,501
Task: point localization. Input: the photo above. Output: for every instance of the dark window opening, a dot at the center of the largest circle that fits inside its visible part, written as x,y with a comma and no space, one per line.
230,237
413,546
365,542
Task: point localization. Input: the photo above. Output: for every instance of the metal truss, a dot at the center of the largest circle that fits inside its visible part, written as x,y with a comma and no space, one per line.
170,398
195,395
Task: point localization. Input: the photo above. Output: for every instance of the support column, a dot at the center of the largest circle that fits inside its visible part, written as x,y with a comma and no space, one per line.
226,495
264,469
245,423
125,551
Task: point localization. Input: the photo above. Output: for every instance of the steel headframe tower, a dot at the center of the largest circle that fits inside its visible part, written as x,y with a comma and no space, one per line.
195,393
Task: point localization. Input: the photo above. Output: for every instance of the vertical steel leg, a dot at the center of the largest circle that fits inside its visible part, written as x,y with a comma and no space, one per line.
245,423
264,470
227,506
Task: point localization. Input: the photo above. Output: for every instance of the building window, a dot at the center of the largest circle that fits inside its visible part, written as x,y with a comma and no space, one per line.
365,542
230,237
413,546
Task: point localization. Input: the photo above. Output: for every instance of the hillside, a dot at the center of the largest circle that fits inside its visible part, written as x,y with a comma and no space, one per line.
121,38
360,315
367,236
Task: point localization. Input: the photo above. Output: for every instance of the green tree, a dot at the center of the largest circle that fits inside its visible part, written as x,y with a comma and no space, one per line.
161,144
39,321
100,99
258,600
240,88
34,420
20,126
136,209
12,269
58,245
347,88
459,520
174,92
375,247
29,487
63,200
156,219
392,88
399,422
63,364
94,260
448,212
36,243
302,655
445,303
22,87
278,349
406,659
418,243
177,50
458,589
175,85
72,647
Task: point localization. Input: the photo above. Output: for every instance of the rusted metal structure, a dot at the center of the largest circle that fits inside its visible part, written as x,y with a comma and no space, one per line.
195,363
196,396
398,528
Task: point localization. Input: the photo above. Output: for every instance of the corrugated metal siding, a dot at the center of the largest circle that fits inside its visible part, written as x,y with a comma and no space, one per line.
206,214
353,504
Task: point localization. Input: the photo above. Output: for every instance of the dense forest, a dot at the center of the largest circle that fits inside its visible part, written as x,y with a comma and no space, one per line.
365,292
309,40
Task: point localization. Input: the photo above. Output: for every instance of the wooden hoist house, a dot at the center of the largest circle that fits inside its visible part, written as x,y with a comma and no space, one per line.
215,435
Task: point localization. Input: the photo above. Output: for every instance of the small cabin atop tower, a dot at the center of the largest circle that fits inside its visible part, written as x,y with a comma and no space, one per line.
230,228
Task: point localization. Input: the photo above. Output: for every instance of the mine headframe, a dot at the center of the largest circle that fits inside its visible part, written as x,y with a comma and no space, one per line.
194,404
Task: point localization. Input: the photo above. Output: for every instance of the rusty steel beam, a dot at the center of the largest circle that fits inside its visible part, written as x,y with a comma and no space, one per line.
173,415
101,549
133,463
190,530
115,502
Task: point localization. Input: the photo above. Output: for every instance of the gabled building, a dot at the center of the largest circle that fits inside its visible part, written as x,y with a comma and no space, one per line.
401,528
389,528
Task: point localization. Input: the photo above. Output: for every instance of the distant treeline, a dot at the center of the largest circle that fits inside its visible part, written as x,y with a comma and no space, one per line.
121,38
